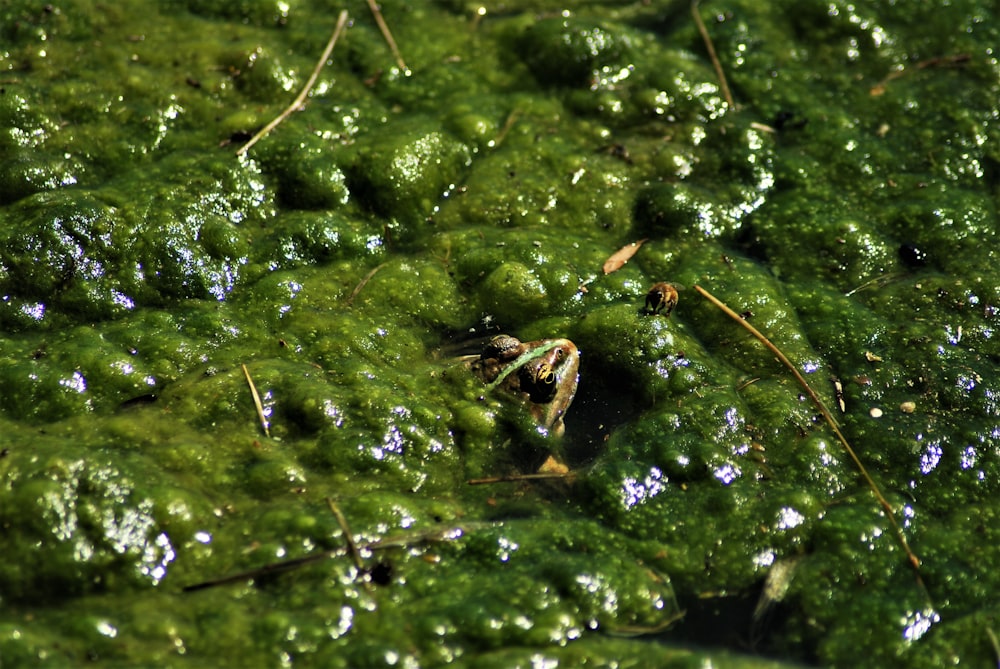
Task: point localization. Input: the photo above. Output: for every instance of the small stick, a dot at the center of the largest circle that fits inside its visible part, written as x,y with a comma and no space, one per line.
507,125
747,384
429,536
914,561
996,645
266,570
257,402
763,127
377,13
711,54
513,478
644,630
352,547
300,100
877,281
939,61
363,283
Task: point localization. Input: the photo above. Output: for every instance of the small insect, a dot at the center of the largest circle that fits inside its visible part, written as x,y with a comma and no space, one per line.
662,297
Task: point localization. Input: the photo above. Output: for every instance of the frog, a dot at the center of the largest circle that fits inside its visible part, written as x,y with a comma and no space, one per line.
543,373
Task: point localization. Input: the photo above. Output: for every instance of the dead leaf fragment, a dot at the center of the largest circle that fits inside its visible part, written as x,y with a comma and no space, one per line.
553,466
622,256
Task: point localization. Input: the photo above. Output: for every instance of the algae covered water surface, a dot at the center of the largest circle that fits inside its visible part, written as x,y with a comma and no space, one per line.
846,206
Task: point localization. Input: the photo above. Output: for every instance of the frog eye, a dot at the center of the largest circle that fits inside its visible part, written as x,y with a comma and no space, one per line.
502,347
540,382
545,374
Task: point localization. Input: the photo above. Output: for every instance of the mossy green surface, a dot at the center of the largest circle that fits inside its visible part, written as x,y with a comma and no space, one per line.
847,207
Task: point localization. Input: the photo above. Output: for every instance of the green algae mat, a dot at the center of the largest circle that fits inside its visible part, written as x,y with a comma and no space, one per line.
845,204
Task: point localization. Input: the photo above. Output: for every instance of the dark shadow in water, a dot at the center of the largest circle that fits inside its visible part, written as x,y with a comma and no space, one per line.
605,400
728,622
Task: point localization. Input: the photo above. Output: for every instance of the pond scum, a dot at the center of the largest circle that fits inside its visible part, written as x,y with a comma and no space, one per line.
845,206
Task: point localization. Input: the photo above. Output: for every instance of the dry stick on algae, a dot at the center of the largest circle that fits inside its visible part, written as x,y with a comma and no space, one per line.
711,54
364,282
514,478
993,642
939,61
431,536
914,561
507,125
301,99
377,13
256,402
352,547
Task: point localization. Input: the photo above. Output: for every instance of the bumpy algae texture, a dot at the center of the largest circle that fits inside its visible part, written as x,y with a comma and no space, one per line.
846,206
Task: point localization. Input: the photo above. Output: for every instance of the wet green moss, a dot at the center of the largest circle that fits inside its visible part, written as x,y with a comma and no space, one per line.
847,213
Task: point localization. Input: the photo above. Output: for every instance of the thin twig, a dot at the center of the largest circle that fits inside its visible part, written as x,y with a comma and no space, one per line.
266,570
829,419
352,548
711,54
645,630
877,281
513,478
428,536
939,61
299,101
996,645
507,125
377,13
256,402
363,283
